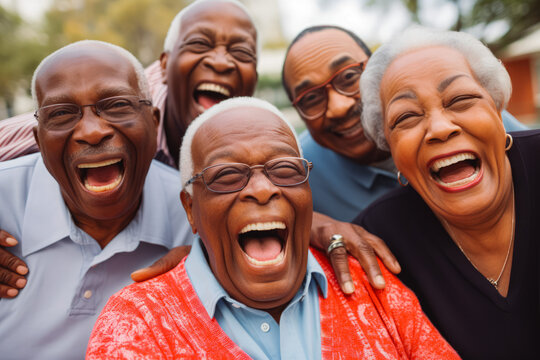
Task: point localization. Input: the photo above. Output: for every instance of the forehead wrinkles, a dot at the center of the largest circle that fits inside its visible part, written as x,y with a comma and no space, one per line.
218,19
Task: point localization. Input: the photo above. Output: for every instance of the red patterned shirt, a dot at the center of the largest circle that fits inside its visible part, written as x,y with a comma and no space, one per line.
164,319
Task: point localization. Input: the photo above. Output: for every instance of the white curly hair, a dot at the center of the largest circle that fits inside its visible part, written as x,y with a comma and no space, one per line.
139,70
186,157
487,69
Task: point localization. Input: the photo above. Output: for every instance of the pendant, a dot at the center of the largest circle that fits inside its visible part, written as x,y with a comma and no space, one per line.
494,283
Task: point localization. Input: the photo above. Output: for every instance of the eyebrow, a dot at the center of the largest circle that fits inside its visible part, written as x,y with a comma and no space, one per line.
333,65
286,150
445,83
405,95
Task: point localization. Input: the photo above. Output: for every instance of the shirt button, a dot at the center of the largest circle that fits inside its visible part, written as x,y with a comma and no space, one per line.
87,294
236,306
265,327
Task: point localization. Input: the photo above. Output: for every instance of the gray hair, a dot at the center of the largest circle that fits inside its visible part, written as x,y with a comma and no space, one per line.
138,68
487,69
186,157
176,24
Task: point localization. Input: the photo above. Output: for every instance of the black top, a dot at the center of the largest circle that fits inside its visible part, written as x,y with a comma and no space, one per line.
468,311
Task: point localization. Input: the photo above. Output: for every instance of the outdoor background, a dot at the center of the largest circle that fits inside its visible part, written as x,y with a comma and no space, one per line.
31,29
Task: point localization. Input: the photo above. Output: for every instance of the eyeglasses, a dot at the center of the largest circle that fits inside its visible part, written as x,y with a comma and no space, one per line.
313,102
232,177
113,109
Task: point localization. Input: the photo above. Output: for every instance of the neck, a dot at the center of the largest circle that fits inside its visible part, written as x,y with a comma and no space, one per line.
103,231
174,130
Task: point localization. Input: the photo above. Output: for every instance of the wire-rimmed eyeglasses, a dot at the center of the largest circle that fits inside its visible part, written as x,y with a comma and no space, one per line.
64,116
313,102
232,177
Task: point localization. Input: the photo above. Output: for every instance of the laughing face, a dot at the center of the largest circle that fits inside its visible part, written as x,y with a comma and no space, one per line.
313,60
444,131
213,59
100,165
257,238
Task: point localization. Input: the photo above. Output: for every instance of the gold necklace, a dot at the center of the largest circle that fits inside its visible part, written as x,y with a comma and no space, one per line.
494,282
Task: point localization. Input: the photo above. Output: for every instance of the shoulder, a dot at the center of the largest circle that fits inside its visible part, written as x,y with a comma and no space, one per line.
165,175
18,168
395,202
16,136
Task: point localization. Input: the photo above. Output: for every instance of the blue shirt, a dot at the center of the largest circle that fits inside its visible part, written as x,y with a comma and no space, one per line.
342,188
71,277
298,334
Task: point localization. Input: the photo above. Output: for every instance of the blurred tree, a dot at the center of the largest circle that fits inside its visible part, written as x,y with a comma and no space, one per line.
520,17
20,52
137,25
515,17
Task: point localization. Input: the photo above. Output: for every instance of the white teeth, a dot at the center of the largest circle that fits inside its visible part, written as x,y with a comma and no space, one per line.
215,88
263,226
98,164
439,164
103,188
274,261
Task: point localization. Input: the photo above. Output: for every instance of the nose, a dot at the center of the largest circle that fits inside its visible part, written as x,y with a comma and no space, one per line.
260,189
91,128
441,127
338,104
219,60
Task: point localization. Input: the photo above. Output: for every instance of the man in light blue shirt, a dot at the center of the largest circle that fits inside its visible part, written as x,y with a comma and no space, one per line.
90,208
321,76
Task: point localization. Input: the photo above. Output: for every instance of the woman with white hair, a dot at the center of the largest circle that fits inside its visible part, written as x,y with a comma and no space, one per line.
463,226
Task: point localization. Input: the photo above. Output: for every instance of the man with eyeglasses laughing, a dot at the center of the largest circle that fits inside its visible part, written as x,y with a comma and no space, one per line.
321,76
250,287
91,207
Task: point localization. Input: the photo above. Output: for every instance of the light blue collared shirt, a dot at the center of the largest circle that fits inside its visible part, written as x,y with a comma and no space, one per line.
298,334
342,188
71,277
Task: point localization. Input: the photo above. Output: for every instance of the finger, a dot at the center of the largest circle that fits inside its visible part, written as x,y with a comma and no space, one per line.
7,292
6,239
380,248
365,255
12,280
338,259
162,265
12,263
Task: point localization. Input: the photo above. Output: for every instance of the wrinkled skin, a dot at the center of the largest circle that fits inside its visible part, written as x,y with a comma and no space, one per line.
219,218
217,46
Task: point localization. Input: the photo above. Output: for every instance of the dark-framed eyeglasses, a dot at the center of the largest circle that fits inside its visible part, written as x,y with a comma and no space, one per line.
113,109
313,102
232,177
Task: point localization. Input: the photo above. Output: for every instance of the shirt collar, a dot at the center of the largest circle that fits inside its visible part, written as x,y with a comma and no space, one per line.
365,175
45,225
210,291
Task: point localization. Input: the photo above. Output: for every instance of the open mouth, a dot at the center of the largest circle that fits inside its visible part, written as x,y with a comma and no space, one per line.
351,131
101,176
263,243
210,94
456,171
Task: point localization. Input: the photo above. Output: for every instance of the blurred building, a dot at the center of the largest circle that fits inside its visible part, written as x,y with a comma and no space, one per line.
522,60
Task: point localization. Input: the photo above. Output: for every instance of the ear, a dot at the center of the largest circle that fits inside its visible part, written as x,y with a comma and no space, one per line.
34,130
155,115
163,64
187,203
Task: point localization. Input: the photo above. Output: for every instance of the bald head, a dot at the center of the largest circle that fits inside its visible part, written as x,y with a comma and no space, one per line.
96,49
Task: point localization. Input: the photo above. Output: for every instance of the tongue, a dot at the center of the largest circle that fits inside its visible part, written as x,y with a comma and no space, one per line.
102,175
207,101
264,248
456,172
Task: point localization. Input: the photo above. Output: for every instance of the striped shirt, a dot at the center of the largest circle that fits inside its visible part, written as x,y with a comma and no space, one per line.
17,138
